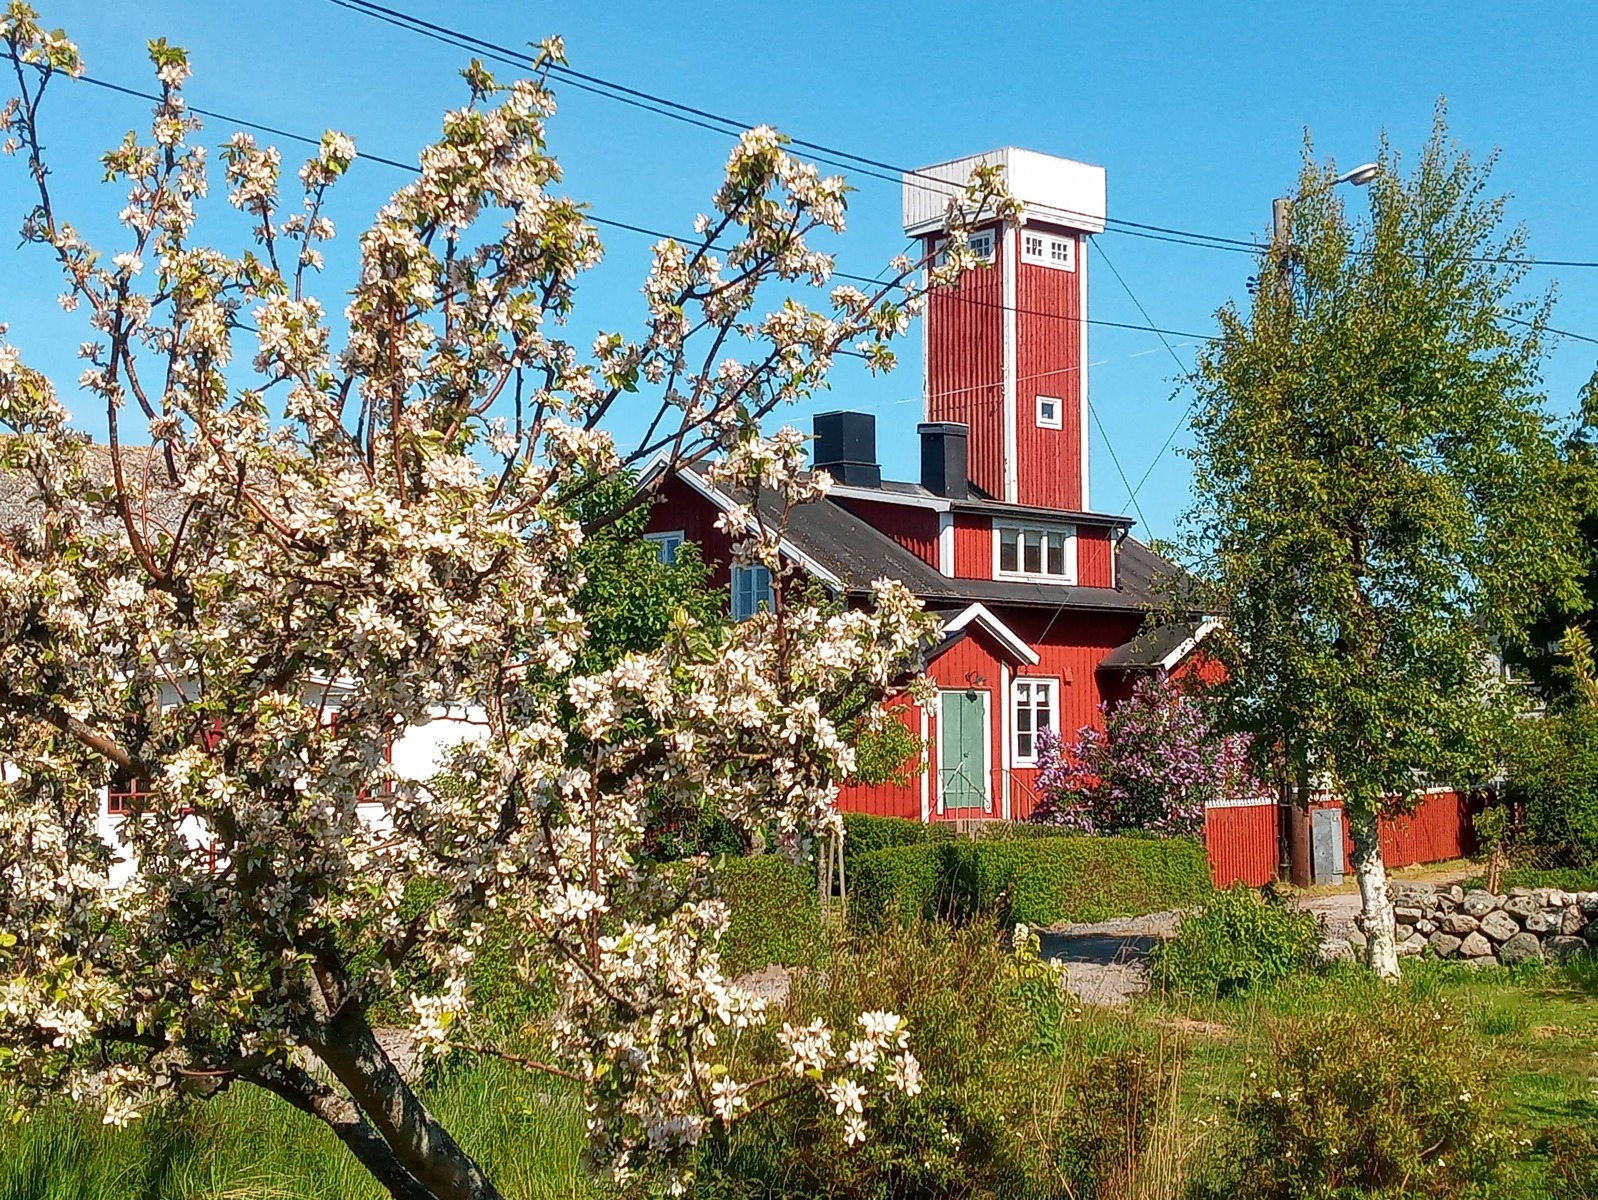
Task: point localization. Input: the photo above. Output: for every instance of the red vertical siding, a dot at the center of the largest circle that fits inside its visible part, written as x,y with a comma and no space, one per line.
678,507
965,368
1048,363
914,528
1094,554
973,547
1439,829
889,799
1243,844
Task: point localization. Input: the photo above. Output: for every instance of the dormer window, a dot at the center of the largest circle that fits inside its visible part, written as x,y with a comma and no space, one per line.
1049,250
1035,552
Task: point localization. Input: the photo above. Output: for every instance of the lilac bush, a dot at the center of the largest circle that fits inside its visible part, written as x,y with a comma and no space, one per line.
1156,764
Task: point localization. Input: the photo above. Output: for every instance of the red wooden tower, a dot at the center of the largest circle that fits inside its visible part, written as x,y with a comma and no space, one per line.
1006,351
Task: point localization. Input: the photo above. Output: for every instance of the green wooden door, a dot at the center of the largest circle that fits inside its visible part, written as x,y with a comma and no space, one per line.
962,732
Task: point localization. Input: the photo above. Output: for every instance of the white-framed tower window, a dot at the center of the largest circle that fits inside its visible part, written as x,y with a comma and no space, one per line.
751,592
1034,707
979,243
666,545
1029,551
1051,410
1049,249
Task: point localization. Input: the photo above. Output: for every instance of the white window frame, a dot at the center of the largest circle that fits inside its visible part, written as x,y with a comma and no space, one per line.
1029,683
1057,421
1022,528
666,544
981,243
742,608
1053,250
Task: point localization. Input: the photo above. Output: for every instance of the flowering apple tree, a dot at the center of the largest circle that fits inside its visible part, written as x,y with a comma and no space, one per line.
384,528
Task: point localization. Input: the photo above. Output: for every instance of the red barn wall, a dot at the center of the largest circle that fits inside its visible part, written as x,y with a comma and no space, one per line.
890,799
973,547
1048,363
678,507
1243,843
965,368
914,528
1095,554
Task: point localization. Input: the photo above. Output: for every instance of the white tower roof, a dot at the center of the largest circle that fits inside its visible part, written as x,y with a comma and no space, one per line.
1059,191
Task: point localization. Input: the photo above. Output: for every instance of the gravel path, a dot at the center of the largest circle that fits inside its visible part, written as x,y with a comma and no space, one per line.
1107,961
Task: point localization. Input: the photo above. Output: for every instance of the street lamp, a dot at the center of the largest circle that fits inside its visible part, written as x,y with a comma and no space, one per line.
1282,219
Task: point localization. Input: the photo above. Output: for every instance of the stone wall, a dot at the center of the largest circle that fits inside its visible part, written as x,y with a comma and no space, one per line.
1528,923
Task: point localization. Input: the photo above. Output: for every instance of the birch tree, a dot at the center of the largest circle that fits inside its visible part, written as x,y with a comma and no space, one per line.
379,520
1374,470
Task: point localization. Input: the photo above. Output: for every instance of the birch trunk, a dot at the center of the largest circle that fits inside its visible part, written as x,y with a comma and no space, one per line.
1381,944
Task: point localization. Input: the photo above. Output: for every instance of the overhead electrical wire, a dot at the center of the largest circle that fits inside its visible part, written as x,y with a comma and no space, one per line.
862,164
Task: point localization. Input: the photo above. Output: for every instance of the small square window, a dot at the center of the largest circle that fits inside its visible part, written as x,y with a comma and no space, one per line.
666,545
1049,413
1032,245
981,244
1062,253
751,592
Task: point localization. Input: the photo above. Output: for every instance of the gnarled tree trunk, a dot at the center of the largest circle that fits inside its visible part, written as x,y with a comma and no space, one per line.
1381,943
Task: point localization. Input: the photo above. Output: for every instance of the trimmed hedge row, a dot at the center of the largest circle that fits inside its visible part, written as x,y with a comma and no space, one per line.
1041,881
771,910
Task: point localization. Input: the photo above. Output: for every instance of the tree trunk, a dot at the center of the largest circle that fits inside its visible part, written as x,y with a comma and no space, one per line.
1381,946
311,1096
420,1144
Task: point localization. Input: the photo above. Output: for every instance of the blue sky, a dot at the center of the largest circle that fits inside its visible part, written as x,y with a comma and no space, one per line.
1196,112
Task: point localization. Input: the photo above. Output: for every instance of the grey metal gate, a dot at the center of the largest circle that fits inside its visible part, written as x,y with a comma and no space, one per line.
1326,845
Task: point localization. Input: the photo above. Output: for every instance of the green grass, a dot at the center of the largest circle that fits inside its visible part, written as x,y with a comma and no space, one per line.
248,1145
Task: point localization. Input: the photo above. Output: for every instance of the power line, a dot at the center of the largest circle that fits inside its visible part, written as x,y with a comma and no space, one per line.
861,164
720,123
608,222
1127,288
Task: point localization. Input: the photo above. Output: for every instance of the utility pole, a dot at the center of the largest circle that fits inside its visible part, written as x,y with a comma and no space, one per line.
1282,244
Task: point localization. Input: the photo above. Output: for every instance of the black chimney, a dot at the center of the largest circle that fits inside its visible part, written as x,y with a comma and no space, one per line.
846,448
943,466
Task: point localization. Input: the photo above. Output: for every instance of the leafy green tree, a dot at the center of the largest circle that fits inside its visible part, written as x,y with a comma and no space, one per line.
629,597
1376,489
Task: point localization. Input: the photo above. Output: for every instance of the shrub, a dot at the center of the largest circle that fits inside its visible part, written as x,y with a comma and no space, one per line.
1001,1113
1390,1100
1236,942
863,834
1572,1172
1553,777
772,915
1038,881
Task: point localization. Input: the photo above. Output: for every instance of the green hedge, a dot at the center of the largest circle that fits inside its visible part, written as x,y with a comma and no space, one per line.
1041,881
772,915
863,834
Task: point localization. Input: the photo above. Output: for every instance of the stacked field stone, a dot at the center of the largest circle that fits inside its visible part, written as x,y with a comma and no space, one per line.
1528,923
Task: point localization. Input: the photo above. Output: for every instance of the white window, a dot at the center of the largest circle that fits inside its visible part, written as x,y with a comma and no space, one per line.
751,592
980,244
1035,551
1034,706
1049,250
1049,412
666,545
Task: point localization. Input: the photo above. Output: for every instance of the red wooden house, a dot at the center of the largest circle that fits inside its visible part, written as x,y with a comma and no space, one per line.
1048,607
1042,599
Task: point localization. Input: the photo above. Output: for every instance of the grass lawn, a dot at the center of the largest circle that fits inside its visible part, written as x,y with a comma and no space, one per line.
247,1145
1536,1030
